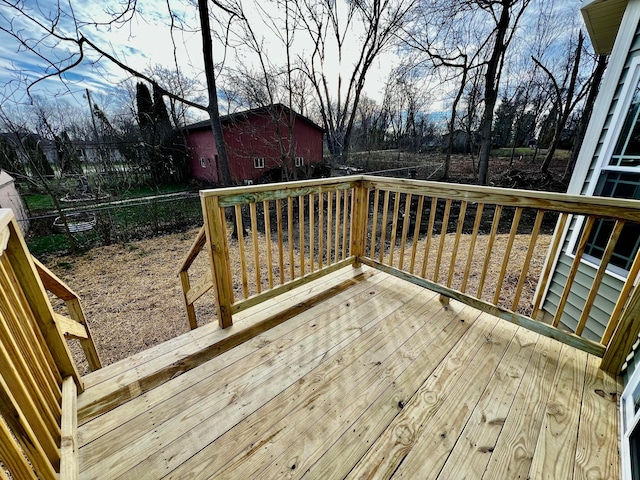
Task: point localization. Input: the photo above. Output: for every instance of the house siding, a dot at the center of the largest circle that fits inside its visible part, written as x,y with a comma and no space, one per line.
609,290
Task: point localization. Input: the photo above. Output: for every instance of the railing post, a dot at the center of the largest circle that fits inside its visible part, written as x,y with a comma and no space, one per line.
216,233
358,222
624,336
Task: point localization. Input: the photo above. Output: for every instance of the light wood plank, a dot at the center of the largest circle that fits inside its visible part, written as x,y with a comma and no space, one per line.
346,222
622,299
511,457
290,241
280,240
624,336
329,225
12,456
582,244
301,234
527,260
196,247
338,461
320,229
312,232
597,453
200,432
218,248
597,279
191,311
202,286
507,254
456,242
443,236
471,453
267,234
405,228
69,328
374,223
383,225
472,246
555,452
427,243
389,452
416,234
243,260
256,250
490,242
69,432
336,237
394,227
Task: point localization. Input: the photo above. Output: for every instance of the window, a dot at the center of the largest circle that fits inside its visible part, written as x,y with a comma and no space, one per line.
299,161
619,177
258,162
630,423
203,162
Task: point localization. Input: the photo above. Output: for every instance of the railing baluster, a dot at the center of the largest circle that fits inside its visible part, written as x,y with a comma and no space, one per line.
280,240
443,235
336,246
312,232
405,227
487,258
472,246
622,300
550,260
256,251
267,233
394,227
416,233
329,225
427,243
597,280
374,222
320,229
243,265
574,270
456,242
527,260
383,226
365,226
345,222
507,254
292,263
301,232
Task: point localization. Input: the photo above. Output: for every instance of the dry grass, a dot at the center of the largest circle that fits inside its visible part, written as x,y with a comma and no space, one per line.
133,300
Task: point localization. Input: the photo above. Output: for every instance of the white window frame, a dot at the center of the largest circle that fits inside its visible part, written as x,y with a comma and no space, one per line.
299,161
606,153
258,162
628,421
203,162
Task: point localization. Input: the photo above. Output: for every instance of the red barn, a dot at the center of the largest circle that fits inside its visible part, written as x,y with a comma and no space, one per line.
257,143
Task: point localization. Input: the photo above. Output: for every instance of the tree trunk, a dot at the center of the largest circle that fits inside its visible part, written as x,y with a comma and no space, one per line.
492,77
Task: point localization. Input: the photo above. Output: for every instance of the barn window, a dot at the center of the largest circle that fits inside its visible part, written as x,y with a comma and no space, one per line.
203,162
258,162
299,161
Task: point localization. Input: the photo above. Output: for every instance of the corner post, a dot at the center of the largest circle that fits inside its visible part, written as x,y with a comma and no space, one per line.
358,222
216,234
624,336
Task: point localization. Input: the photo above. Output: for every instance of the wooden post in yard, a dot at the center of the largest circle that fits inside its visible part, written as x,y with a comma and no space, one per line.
358,222
216,232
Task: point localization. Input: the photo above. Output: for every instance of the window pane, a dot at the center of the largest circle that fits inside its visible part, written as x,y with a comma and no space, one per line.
628,144
618,185
634,447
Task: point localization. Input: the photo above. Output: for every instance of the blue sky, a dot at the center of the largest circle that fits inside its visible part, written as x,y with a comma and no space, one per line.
143,41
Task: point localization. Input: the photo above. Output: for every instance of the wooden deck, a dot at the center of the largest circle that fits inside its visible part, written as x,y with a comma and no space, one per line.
368,377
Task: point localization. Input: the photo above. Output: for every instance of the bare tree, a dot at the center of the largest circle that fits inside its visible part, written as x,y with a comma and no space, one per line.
330,26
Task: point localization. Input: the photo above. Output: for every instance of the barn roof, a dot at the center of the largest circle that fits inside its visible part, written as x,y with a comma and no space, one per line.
245,114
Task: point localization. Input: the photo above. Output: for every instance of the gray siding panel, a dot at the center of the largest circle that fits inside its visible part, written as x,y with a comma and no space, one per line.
610,288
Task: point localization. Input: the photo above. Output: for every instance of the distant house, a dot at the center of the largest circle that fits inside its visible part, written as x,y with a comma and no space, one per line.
10,198
257,142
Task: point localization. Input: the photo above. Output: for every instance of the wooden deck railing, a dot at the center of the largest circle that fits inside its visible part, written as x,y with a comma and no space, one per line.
465,242
38,378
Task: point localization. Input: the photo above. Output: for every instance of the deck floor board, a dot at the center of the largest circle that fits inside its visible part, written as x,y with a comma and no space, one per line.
378,381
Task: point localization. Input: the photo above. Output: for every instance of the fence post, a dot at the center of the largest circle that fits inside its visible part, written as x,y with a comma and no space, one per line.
358,222
216,233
